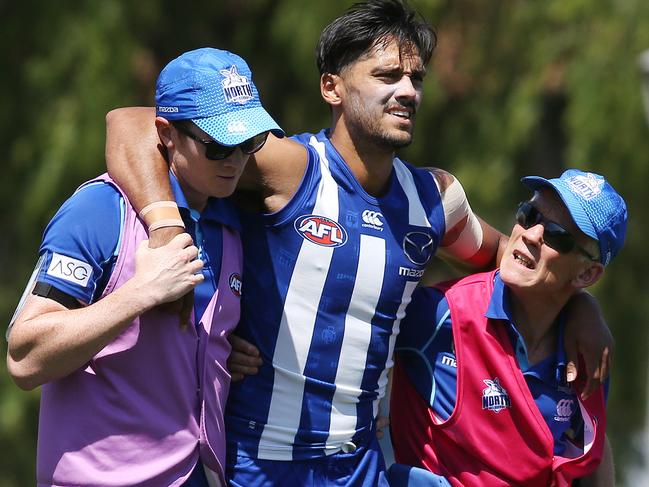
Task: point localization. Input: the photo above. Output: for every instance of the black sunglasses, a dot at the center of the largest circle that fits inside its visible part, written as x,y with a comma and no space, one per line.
554,235
216,152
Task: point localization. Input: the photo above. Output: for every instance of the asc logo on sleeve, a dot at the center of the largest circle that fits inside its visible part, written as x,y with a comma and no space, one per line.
70,269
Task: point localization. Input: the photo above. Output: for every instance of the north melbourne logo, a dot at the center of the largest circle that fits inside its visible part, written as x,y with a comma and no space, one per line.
588,186
494,396
236,88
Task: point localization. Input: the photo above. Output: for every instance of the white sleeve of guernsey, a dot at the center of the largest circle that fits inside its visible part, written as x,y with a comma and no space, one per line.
460,220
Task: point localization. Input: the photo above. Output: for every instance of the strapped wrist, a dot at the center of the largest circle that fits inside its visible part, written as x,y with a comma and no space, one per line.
160,214
169,222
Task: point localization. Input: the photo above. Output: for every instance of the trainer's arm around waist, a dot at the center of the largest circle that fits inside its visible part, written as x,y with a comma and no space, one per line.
48,341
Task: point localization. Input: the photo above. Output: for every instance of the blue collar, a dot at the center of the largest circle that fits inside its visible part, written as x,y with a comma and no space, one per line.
550,370
219,210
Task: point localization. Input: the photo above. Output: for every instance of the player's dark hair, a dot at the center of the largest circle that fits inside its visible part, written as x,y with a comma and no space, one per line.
368,24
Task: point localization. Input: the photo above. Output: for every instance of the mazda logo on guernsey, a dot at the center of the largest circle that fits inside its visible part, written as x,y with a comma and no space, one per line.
321,230
418,247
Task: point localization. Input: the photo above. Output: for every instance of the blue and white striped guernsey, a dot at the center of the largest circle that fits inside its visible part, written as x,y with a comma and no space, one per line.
326,283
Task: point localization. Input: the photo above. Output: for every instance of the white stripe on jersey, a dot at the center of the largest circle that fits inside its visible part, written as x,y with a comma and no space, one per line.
401,312
416,213
357,337
296,329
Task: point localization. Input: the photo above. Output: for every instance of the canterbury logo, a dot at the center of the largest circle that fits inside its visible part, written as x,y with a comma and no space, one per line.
372,218
565,408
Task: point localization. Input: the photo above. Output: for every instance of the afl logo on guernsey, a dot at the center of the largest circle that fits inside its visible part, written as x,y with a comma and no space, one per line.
235,284
321,230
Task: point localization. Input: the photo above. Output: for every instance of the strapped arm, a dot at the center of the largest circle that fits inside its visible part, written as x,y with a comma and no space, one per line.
468,241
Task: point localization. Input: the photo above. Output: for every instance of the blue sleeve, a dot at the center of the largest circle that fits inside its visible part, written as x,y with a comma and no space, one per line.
427,308
425,349
80,243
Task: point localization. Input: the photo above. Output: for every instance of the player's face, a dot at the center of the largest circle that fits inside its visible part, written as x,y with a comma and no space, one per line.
530,263
380,94
199,176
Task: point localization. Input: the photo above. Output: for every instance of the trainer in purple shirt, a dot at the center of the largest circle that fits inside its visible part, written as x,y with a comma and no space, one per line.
129,397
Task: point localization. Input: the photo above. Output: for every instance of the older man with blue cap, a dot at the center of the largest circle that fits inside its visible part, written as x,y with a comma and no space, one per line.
129,397
480,394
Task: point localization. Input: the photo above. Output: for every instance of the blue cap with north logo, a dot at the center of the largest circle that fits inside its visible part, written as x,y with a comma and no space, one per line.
214,89
597,209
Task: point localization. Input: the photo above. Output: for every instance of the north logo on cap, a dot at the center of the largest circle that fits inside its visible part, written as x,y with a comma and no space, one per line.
587,186
236,88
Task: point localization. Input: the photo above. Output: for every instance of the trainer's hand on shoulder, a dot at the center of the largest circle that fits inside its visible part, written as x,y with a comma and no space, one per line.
184,305
169,272
587,337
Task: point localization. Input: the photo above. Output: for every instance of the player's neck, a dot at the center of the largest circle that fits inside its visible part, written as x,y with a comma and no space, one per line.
370,164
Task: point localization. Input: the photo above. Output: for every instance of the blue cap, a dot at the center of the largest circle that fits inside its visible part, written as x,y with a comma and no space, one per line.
594,205
213,89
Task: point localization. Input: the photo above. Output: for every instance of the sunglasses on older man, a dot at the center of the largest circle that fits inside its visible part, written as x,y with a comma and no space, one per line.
216,152
554,235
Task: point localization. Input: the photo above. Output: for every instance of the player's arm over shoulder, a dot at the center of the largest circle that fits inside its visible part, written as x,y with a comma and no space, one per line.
468,240
275,172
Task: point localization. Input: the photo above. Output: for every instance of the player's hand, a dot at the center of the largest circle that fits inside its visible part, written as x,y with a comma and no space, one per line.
381,423
184,305
587,336
244,358
169,272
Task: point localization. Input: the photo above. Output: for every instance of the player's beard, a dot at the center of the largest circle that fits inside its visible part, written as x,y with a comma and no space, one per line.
367,128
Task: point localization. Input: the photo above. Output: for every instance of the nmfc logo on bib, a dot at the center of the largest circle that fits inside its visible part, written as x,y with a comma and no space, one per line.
321,230
494,396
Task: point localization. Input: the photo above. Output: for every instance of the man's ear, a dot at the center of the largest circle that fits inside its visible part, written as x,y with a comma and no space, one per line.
589,275
330,86
164,132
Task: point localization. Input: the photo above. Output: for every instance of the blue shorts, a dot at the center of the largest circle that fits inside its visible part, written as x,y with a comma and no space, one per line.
362,468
